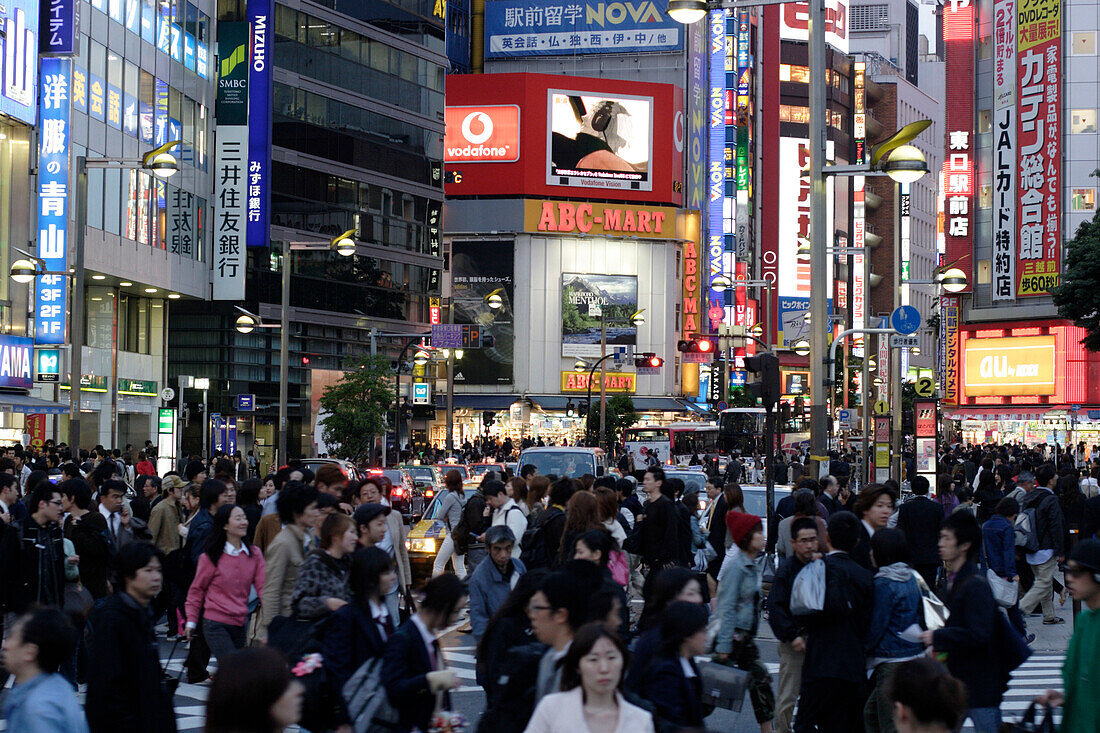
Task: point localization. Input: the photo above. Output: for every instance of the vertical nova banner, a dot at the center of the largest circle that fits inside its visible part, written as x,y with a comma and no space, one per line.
54,143
260,85
1004,150
231,153
1039,49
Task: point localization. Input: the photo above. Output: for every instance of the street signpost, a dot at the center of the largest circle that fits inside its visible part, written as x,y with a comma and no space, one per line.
905,319
897,341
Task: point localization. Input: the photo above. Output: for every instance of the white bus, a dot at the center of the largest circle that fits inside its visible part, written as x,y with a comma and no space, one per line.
672,444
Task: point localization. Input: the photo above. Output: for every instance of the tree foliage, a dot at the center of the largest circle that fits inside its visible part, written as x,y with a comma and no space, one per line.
357,407
620,416
1078,293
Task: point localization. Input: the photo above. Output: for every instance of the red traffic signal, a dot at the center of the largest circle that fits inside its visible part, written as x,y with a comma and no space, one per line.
699,344
649,360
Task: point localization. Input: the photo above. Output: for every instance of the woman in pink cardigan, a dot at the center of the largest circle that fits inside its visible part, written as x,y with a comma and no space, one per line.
227,572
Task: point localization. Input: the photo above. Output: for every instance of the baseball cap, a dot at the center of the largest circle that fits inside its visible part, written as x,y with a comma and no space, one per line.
365,513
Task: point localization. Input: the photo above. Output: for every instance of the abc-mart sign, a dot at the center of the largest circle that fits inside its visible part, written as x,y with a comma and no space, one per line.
481,134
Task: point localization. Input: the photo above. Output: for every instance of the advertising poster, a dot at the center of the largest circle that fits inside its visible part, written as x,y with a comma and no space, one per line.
599,141
478,269
1039,217
958,166
586,300
534,28
795,23
792,320
1004,150
1019,365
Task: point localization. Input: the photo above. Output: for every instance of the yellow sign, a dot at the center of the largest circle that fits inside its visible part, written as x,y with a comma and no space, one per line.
599,220
882,455
925,387
1038,21
1022,365
619,382
881,408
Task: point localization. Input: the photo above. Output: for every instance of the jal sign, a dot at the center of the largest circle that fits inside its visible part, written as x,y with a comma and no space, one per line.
621,382
1022,365
608,220
16,356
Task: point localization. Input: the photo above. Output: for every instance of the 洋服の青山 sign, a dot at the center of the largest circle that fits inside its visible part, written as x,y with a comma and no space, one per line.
647,222
613,382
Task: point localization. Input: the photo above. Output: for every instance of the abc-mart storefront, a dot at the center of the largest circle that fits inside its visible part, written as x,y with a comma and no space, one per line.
553,260
1022,383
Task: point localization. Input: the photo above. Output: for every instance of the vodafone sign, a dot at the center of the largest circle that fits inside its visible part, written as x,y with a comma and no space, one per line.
484,134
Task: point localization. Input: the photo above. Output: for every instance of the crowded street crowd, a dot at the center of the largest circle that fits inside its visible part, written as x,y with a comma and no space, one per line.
607,604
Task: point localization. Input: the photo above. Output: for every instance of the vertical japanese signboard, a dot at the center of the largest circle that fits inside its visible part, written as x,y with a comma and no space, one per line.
958,167
53,200
59,27
230,174
1004,150
1039,53
260,86
717,149
697,114
949,349
743,231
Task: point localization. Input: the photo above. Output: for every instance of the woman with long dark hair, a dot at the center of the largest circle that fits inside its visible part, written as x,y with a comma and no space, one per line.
248,498
253,692
582,514
662,589
227,572
671,679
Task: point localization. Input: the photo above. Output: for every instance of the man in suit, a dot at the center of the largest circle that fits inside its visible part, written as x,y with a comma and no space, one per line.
834,674
920,519
114,511
413,670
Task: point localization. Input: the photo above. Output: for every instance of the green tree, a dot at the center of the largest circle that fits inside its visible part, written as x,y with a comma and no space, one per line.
620,416
1078,293
356,408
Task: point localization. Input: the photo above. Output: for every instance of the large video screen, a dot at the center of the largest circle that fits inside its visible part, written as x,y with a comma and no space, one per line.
599,141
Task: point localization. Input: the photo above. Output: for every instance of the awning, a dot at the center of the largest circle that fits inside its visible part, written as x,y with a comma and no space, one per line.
998,412
695,407
32,405
477,401
642,404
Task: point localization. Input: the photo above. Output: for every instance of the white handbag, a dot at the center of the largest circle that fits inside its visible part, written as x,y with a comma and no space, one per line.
1005,592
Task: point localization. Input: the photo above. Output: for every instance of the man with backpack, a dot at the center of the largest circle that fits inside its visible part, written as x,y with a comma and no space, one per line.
468,531
1040,531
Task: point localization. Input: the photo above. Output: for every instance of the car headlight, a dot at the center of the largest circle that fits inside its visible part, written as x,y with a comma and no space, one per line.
425,545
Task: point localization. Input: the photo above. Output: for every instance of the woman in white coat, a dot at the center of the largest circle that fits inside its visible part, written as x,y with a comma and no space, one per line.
592,672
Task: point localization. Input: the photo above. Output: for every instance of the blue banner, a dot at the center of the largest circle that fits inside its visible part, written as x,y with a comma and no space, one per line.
59,23
534,28
53,200
260,85
19,90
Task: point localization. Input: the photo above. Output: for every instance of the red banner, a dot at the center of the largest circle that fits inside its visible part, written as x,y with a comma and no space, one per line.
958,166
1039,216
35,426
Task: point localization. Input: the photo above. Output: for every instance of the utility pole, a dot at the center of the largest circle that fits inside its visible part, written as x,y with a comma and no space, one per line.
819,238
450,387
603,382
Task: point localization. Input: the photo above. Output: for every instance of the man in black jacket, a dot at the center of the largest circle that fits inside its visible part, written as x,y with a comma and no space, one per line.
125,690
33,554
968,638
1050,526
787,628
834,674
659,533
920,519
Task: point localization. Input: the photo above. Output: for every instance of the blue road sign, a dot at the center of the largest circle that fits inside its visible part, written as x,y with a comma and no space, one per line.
905,319
246,402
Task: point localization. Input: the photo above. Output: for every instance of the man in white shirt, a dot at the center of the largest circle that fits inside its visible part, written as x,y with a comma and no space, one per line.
505,511
113,509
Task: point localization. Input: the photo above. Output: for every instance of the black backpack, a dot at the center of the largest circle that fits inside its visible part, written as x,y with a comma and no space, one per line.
471,522
534,552
513,702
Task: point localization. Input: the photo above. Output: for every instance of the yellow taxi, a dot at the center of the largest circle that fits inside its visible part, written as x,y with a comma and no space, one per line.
427,535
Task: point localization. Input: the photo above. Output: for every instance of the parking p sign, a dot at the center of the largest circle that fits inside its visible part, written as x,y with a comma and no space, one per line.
47,365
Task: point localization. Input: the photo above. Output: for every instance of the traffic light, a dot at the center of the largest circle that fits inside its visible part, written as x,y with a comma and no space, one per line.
648,360
766,387
699,344
488,417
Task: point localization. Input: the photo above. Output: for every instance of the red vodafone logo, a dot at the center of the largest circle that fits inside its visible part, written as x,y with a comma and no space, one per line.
484,134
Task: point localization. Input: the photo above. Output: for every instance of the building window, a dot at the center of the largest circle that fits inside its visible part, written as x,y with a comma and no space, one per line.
133,324
99,317
1083,44
1084,199
984,121
1082,121
985,196
984,267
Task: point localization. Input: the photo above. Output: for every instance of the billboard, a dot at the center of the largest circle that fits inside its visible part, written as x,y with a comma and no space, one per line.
60,23
533,28
19,88
1039,216
481,134
54,143
16,357
958,166
479,268
1018,365
794,23
589,301
1004,150
231,154
260,85
599,141
695,185
575,135
716,166
949,349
